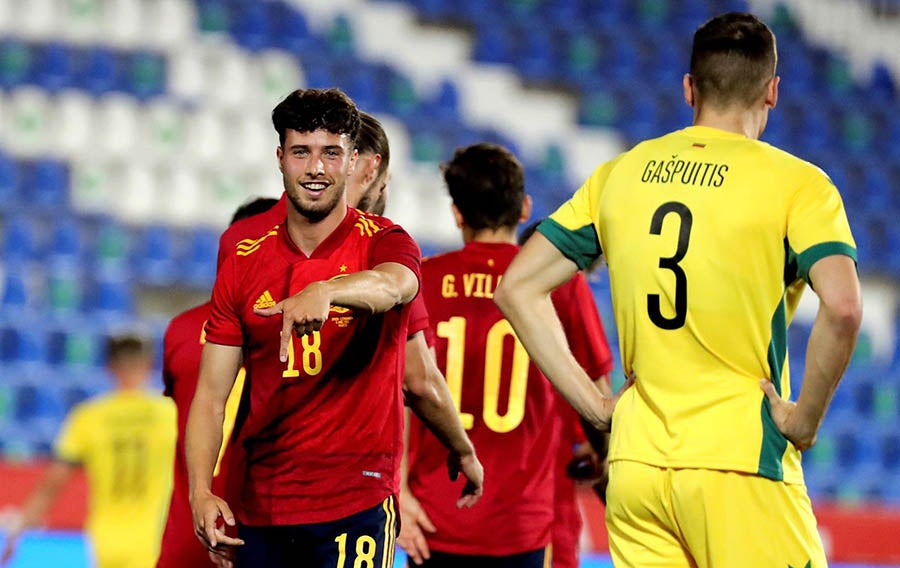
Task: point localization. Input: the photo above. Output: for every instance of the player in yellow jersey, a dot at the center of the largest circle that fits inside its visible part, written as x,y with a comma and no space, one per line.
710,237
125,440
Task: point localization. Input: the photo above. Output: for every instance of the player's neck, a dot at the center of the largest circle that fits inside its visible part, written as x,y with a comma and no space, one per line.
501,235
306,234
747,122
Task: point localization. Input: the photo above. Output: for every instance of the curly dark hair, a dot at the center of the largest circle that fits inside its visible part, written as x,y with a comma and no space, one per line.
307,110
487,185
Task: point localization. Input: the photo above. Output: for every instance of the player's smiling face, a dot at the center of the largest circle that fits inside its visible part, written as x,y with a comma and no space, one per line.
314,167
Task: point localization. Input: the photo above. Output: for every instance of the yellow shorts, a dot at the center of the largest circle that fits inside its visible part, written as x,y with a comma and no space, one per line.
672,518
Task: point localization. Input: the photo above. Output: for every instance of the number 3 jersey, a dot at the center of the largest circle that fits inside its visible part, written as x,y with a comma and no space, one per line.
506,405
322,432
709,237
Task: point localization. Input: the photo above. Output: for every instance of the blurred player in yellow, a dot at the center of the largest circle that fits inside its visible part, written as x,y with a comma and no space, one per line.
710,237
125,440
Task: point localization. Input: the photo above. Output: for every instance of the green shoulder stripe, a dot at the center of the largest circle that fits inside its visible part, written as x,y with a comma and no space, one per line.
581,246
815,253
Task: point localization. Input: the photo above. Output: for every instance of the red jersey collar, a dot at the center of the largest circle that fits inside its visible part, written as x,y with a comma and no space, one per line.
331,242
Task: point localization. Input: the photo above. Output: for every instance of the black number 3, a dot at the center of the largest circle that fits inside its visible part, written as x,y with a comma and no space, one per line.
671,263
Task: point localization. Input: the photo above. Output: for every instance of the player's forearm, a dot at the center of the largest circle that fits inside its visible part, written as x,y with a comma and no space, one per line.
434,407
44,495
375,291
203,438
537,326
828,353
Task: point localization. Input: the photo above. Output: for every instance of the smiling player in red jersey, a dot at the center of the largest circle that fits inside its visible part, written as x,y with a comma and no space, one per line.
508,407
324,407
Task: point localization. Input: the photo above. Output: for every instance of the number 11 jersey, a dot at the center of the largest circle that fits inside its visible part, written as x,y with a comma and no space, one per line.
709,237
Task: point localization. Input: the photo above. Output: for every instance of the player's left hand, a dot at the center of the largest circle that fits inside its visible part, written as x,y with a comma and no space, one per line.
303,313
413,528
471,468
222,557
788,419
586,465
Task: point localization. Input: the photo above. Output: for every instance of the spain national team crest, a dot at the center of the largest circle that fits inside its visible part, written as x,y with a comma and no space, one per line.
341,315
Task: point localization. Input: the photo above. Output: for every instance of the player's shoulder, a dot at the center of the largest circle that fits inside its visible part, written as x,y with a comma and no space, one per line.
370,224
441,259
189,319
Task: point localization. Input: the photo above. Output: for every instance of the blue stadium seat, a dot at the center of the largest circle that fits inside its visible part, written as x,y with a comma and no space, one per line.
9,181
156,257
20,240
114,298
250,25
290,30
47,184
200,262
67,238
98,71
54,70
16,294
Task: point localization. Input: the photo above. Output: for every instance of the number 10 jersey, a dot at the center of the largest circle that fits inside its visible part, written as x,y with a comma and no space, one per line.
709,237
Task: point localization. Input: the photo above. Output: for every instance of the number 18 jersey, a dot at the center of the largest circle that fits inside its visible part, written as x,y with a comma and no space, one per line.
709,237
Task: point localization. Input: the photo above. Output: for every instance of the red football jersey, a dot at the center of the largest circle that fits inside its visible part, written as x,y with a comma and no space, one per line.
506,404
182,346
587,341
322,432
253,226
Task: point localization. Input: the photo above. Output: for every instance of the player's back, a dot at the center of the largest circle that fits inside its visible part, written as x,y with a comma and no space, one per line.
125,441
708,235
506,406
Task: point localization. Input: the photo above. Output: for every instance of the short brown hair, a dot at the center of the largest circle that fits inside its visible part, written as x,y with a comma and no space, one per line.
487,185
732,59
127,346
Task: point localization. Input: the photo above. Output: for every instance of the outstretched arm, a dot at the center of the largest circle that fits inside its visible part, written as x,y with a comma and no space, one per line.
831,344
427,395
39,502
376,290
524,298
218,369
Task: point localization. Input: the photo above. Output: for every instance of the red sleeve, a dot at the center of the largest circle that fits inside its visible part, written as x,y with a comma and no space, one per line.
224,325
583,327
418,317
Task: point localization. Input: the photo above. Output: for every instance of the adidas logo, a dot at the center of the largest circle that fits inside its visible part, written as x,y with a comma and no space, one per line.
264,301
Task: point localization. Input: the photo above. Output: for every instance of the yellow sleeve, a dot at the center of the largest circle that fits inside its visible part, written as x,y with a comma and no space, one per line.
72,443
572,228
817,224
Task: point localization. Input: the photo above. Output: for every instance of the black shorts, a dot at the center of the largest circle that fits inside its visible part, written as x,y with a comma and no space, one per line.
534,559
363,540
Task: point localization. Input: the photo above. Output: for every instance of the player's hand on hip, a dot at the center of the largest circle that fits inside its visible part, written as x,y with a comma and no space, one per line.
788,420
207,510
471,468
413,528
303,313
609,404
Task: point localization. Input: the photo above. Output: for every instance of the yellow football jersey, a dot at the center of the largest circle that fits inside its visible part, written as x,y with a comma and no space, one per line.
126,443
709,237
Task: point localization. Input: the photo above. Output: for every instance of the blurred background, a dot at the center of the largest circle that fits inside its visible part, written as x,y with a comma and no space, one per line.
130,130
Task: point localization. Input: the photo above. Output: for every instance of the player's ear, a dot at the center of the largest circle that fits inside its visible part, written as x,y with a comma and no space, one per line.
687,83
526,209
772,91
372,163
457,216
279,153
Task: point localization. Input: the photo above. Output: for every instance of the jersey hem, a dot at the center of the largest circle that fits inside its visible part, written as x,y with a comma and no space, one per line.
688,464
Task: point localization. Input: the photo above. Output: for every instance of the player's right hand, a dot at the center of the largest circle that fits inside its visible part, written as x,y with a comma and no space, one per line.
609,405
471,468
413,528
13,532
207,509
789,421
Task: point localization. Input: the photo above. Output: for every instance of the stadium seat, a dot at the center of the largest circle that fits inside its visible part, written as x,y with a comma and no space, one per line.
15,62
156,256
99,73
